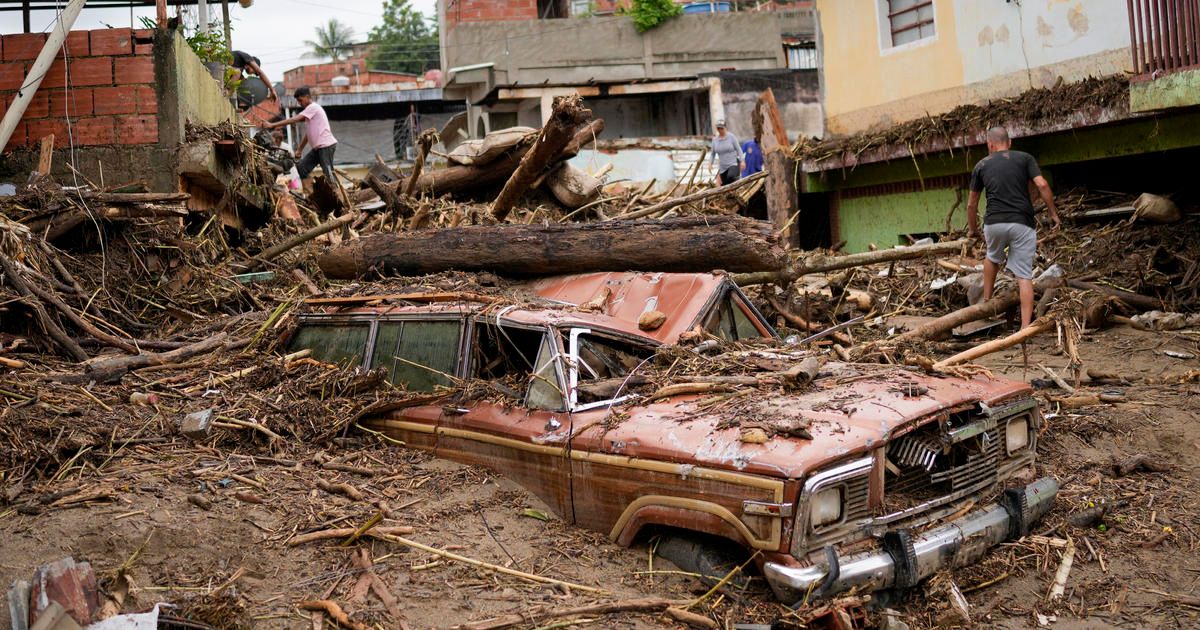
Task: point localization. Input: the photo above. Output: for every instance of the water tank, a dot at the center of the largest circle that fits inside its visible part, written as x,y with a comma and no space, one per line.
706,7
340,81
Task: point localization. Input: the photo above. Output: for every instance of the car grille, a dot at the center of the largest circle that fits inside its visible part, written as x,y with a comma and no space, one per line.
929,471
857,494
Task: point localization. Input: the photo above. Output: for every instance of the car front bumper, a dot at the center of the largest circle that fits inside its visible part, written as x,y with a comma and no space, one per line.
904,558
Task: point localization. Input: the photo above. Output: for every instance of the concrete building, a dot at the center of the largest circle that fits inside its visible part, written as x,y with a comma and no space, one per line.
890,63
659,92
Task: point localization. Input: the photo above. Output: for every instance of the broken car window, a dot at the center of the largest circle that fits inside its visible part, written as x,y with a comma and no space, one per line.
602,365
544,390
418,354
342,344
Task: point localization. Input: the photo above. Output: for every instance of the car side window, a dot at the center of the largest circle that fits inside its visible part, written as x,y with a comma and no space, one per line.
418,355
729,320
520,361
343,344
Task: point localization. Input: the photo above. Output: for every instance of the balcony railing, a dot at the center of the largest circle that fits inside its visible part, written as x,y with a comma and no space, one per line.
1164,36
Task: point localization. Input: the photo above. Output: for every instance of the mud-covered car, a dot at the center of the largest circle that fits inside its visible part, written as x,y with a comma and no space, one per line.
897,475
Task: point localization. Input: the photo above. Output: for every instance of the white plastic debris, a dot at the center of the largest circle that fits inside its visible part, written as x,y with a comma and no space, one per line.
137,621
940,283
1054,271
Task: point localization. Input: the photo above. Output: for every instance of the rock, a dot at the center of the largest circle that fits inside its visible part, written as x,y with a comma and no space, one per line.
1156,209
890,620
754,436
195,425
651,320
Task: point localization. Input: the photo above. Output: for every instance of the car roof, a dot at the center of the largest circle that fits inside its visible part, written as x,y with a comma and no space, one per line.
682,297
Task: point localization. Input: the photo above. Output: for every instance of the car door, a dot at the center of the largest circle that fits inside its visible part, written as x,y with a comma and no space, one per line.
527,441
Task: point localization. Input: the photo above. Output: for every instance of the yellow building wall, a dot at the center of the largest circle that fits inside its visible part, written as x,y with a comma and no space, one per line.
981,50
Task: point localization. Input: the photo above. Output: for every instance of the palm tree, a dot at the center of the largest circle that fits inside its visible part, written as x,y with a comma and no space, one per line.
333,40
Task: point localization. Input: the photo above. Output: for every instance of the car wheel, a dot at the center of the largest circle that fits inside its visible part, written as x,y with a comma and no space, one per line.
710,557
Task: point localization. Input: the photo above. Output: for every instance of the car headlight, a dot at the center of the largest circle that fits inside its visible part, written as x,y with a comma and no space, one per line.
1016,435
826,507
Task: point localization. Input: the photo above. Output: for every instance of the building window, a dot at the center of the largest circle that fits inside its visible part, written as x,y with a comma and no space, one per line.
908,20
581,7
801,56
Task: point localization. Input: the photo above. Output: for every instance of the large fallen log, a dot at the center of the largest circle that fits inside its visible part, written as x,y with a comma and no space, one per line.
941,326
823,264
558,131
685,244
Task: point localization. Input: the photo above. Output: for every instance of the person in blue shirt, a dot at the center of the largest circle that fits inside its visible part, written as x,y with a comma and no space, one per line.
754,158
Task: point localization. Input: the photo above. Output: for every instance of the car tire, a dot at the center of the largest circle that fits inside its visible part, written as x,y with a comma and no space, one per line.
708,556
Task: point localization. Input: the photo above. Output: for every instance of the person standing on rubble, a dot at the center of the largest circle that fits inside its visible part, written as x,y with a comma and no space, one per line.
1009,227
727,154
319,135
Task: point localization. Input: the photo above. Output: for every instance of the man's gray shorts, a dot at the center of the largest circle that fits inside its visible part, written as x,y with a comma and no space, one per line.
1021,242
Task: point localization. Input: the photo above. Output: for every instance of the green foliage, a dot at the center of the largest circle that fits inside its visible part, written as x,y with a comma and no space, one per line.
650,13
404,41
208,46
333,41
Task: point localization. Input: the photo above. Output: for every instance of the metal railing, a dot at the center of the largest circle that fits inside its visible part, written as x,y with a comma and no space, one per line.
1164,35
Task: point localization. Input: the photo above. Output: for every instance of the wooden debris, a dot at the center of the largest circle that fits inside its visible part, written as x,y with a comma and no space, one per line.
536,616
692,619
334,611
824,264
566,116
1140,462
1058,587
345,532
200,501
997,344
344,489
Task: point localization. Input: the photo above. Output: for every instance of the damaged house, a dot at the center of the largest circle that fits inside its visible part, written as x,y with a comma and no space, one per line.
1102,93
659,91
137,108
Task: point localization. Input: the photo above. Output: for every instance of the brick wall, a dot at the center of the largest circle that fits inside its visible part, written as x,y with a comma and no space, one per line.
490,11
110,99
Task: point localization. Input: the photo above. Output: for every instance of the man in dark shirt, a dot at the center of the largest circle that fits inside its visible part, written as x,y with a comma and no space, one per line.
245,62
1009,228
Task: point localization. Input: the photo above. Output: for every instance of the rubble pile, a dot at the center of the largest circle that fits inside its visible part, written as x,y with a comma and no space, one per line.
144,344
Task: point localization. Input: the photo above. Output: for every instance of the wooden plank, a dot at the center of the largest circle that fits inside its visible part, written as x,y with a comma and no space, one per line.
782,199
775,135
46,155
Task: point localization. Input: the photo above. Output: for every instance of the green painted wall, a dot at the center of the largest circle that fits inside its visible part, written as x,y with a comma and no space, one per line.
880,219
884,219
1178,89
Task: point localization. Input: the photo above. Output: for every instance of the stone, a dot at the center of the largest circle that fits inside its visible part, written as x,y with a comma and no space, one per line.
651,320
195,425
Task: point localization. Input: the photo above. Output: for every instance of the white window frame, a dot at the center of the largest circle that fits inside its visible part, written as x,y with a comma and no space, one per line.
884,26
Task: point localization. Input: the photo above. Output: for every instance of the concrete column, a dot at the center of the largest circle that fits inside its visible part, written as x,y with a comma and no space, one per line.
716,104
202,14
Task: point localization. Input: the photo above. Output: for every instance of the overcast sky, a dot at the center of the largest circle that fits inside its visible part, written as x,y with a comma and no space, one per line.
272,30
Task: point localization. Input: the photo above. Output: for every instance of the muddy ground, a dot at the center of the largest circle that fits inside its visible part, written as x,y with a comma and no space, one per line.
178,552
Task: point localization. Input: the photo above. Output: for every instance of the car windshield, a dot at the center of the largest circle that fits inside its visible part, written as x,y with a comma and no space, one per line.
418,355
343,344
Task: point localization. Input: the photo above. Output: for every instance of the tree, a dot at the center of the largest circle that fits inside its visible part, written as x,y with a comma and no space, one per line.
404,41
334,41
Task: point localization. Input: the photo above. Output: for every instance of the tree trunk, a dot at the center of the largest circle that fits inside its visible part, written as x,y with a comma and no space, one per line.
555,135
999,303
782,199
687,244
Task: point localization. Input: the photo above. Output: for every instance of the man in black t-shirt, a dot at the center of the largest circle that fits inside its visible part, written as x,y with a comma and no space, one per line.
245,62
1009,228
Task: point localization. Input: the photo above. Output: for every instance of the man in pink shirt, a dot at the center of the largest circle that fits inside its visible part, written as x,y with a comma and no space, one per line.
319,135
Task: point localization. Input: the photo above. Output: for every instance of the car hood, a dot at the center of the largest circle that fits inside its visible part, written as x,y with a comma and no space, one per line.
849,409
